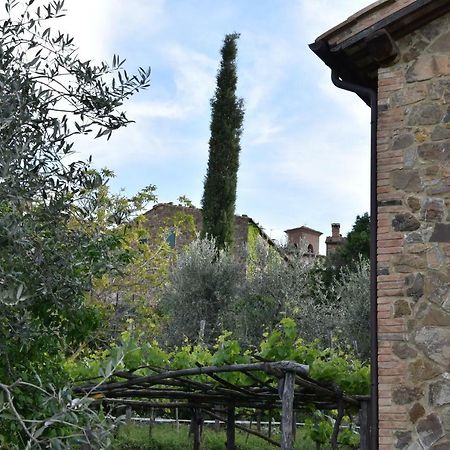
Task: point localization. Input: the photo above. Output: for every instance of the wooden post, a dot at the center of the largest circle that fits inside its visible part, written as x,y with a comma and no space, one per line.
231,428
250,426
364,434
337,426
150,429
196,426
128,414
258,421
177,422
287,412
201,332
217,421
270,423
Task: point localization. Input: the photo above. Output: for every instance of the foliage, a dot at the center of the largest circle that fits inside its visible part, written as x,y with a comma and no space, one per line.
166,437
51,245
352,307
332,366
60,420
202,284
131,295
272,290
219,196
319,428
283,343
357,244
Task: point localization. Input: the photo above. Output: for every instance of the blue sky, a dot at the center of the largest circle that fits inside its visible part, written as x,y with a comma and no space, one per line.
305,145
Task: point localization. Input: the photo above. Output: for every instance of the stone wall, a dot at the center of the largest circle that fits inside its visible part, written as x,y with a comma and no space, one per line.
413,248
161,216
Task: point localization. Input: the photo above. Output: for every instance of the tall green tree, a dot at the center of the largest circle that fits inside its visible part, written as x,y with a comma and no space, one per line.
219,196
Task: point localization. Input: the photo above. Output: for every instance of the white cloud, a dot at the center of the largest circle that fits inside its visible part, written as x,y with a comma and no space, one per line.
266,60
194,77
155,110
319,16
97,25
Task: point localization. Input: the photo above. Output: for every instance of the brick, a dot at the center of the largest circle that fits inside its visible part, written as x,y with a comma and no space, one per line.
389,250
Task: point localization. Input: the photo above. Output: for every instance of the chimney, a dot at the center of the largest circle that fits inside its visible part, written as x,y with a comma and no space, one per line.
335,230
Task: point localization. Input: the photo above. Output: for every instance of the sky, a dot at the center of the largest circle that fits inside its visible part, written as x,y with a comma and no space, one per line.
305,148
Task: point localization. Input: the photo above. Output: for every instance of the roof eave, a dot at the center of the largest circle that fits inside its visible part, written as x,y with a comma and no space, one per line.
351,59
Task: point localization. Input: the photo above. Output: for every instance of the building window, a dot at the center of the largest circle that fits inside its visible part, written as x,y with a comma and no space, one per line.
171,238
310,249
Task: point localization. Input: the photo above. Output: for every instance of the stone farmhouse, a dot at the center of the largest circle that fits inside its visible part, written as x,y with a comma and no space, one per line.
395,55
162,214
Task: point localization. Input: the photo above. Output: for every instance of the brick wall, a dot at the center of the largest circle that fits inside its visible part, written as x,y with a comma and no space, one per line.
310,238
413,249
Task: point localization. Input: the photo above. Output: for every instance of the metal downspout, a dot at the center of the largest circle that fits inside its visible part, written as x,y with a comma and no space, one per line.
372,94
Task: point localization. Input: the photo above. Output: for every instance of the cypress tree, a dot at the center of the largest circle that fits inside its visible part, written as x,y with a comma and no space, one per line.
227,115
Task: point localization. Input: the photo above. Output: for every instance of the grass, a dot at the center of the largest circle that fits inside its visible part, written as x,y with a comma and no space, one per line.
166,437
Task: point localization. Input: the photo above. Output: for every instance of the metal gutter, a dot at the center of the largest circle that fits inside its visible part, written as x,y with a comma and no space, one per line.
365,92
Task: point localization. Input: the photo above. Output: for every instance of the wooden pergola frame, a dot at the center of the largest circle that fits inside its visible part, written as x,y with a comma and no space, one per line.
291,390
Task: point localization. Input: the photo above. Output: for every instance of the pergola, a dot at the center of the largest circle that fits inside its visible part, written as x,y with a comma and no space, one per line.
287,388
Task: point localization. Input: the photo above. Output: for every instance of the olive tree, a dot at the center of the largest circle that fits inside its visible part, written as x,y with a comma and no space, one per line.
47,260
202,285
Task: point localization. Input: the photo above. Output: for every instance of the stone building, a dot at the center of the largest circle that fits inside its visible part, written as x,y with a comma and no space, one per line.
304,235
164,215
395,54
336,239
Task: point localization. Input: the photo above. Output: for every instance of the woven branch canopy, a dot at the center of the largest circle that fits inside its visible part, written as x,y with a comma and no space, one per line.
182,388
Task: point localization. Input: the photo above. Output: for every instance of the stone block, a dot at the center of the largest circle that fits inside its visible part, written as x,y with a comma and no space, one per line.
435,151
404,395
429,430
406,180
433,210
415,285
410,157
402,141
442,189
403,439
432,171
439,89
425,114
405,222
440,393
441,233
428,66
440,133
408,263
447,116
416,412
442,446
441,44
403,350
434,342
436,317
422,370
437,285
413,203
401,308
